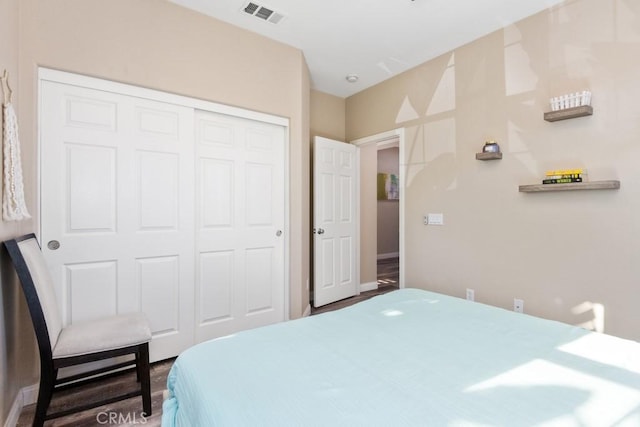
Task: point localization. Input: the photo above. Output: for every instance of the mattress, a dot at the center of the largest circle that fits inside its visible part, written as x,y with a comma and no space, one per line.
408,358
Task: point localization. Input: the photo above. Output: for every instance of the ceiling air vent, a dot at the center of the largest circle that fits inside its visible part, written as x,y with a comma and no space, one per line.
263,13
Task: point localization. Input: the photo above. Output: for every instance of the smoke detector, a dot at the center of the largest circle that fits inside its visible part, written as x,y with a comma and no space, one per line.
262,12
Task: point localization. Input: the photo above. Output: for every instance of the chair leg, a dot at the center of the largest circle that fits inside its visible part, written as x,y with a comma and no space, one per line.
45,392
137,359
144,375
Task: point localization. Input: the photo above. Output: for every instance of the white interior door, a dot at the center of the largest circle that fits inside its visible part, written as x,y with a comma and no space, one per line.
117,196
240,237
335,221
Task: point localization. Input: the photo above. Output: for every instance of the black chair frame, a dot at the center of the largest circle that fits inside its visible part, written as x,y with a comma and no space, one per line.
49,366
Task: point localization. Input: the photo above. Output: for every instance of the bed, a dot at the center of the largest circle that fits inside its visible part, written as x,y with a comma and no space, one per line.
408,358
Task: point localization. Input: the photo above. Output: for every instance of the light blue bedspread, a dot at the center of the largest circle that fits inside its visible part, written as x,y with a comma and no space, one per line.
408,358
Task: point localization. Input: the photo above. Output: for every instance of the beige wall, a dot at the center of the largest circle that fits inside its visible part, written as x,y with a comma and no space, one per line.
159,45
561,252
166,47
327,116
301,179
17,342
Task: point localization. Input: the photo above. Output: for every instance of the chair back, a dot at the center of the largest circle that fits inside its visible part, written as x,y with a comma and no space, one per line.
38,289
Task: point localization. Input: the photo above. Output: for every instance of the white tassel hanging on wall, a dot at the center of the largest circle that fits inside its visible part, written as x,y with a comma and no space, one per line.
13,204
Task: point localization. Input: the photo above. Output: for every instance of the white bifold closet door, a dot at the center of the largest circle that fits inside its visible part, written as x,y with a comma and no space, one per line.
158,207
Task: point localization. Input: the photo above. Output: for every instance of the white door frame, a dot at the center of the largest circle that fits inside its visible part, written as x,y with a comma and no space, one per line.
382,139
156,95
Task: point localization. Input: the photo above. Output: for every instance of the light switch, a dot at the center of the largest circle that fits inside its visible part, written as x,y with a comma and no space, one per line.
435,219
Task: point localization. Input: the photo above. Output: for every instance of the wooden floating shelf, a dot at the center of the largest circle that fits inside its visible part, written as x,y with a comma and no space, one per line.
594,185
488,156
568,113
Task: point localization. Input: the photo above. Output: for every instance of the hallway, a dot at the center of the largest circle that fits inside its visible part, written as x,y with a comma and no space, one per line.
389,272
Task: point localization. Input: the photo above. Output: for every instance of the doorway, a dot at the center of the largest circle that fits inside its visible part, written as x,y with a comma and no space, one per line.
388,214
381,264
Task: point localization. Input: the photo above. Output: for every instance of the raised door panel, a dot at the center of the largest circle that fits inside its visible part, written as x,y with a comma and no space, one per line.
260,295
216,180
326,277
216,283
158,279
89,188
158,191
345,261
259,201
90,291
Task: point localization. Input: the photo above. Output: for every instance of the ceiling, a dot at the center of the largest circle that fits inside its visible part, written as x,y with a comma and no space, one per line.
373,39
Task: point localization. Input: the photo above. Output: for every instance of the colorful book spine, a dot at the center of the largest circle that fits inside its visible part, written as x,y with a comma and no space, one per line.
566,180
565,176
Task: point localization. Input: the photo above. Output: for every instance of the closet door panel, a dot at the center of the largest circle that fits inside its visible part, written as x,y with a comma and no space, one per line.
241,206
117,194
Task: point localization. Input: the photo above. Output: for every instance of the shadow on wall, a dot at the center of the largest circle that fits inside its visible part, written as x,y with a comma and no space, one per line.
590,316
497,88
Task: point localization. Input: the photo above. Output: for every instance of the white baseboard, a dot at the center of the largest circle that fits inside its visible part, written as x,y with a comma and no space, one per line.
30,394
370,286
25,396
307,311
389,255
14,413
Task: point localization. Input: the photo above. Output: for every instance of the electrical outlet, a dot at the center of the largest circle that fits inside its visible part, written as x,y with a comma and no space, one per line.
471,294
518,305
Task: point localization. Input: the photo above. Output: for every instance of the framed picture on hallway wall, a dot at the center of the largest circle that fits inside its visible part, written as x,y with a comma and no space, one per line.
388,188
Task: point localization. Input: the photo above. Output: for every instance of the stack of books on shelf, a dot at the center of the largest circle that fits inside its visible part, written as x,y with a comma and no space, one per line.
565,176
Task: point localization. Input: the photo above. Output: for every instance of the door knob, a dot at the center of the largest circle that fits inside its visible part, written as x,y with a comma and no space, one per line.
53,245
279,233
320,231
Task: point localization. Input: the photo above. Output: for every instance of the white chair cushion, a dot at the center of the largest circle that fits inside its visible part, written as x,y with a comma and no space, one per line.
102,334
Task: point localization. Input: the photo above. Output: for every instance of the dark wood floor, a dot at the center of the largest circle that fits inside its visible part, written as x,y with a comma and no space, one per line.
127,412
388,278
389,272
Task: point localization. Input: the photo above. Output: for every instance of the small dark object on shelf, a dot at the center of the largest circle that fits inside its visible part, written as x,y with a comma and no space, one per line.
491,147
